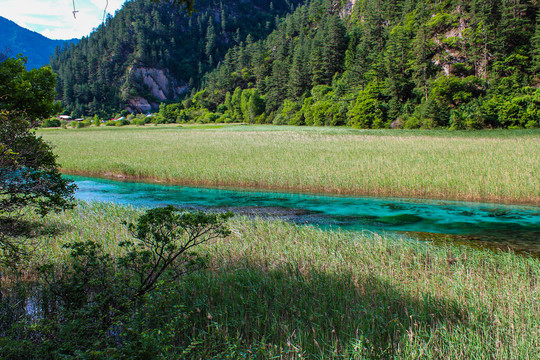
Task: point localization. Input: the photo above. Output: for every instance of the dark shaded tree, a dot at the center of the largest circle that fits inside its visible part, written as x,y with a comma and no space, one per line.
29,176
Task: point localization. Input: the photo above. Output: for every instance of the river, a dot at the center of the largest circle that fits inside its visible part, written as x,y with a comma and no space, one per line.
479,224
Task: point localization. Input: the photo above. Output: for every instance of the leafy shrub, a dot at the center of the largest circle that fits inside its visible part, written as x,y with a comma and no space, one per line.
454,91
121,122
97,306
467,117
286,112
208,117
441,21
138,122
83,124
411,122
298,119
52,122
225,118
520,111
366,112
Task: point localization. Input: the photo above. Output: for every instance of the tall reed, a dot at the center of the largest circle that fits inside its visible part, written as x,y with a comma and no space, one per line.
276,290
490,166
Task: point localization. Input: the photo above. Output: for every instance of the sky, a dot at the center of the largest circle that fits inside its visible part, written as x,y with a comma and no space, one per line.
54,18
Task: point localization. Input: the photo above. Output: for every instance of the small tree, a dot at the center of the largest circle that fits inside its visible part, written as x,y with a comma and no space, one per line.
94,289
163,238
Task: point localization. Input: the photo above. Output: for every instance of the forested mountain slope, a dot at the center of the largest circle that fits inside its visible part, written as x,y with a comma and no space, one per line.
150,53
382,63
37,48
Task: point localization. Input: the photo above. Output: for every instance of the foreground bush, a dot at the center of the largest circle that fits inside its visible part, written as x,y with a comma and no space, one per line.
90,302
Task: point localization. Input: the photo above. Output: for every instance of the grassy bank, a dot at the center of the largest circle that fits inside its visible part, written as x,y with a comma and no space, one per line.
497,166
275,290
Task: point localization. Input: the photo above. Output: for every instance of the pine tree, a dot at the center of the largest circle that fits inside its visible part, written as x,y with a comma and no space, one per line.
535,47
513,26
422,62
277,85
210,46
299,80
316,63
480,37
396,63
334,45
223,19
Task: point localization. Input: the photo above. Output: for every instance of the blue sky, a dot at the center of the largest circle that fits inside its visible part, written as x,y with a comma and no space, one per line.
54,18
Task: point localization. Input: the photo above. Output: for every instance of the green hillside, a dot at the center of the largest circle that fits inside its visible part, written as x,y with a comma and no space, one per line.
380,64
154,52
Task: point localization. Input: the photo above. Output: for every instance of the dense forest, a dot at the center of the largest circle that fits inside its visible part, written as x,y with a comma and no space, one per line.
152,52
379,64
366,63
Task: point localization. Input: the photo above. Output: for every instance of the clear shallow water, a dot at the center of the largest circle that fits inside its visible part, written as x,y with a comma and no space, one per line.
492,225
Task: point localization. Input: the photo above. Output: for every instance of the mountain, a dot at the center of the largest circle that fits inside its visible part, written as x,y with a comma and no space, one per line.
459,64
150,52
38,49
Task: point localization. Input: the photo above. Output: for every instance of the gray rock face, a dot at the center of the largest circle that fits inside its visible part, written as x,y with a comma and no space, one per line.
160,85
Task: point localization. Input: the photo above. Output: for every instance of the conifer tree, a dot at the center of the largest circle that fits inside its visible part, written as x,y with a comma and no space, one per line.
223,19
316,63
535,47
422,62
277,85
299,80
210,39
334,43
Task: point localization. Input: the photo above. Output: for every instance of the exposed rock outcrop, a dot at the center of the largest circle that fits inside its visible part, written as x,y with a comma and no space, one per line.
139,104
347,8
158,84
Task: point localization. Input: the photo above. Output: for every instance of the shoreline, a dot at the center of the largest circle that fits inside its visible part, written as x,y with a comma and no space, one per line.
303,190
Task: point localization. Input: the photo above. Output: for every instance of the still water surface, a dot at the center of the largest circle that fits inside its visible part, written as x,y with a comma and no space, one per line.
481,224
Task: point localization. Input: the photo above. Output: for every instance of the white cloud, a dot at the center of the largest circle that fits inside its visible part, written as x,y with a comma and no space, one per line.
54,19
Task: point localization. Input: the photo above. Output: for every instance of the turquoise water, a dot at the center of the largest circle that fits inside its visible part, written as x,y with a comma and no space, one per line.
493,225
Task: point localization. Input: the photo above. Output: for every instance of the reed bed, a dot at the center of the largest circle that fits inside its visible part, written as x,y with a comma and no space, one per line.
273,290
491,166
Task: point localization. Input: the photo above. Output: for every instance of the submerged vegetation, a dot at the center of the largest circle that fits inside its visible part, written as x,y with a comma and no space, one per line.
495,166
272,289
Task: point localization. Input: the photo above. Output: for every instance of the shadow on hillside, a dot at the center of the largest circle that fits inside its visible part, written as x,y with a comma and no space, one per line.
314,311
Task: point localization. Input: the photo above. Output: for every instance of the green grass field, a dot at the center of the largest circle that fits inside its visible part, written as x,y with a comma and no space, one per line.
496,166
273,290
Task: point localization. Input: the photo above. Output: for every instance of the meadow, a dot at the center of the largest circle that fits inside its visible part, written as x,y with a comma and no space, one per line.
494,166
272,290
